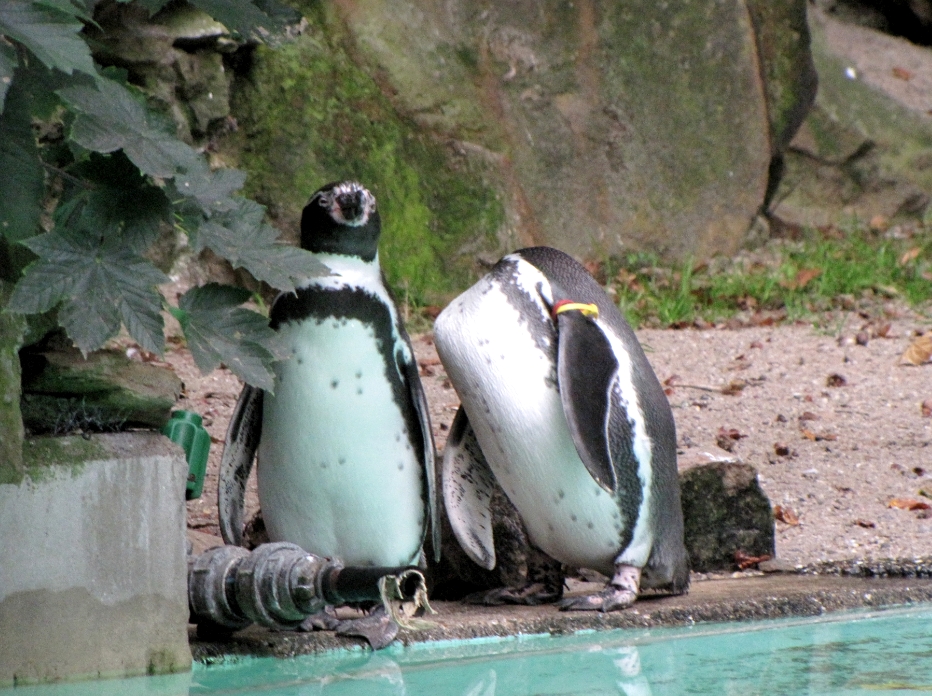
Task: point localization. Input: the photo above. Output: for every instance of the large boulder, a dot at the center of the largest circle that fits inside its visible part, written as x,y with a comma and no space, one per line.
596,127
865,149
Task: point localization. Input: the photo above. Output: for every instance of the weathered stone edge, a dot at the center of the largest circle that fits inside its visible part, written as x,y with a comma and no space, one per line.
512,621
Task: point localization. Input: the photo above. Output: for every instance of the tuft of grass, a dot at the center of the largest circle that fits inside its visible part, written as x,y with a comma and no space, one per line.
851,266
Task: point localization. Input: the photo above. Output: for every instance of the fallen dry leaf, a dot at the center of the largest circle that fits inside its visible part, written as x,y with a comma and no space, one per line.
879,223
808,434
919,351
910,255
908,504
734,387
808,416
835,380
785,515
745,561
867,524
802,278
781,450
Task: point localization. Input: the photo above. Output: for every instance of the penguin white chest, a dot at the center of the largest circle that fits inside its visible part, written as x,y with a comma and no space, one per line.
338,472
503,360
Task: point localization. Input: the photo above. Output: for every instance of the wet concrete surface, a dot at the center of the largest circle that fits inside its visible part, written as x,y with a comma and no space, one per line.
775,595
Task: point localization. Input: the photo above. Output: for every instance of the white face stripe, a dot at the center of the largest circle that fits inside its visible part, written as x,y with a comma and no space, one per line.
638,551
329,200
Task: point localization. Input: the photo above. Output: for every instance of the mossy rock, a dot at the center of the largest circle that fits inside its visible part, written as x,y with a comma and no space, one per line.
64,392
724,512
595,127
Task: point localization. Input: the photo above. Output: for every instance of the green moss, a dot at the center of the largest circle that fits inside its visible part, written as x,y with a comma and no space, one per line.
48,457
309,115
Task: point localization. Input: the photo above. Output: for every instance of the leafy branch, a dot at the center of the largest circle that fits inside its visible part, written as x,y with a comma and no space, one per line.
115,181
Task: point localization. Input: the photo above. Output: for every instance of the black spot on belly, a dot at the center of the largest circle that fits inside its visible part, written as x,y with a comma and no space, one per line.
334,383
573,517
341,461
358,374
300,361
359,390
401,466
590,525
323,465
561,495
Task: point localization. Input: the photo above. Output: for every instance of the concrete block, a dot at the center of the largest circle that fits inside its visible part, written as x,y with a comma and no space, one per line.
93,573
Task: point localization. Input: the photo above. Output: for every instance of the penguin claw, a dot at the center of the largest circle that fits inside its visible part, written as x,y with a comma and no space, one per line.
609,599
529,595
379,629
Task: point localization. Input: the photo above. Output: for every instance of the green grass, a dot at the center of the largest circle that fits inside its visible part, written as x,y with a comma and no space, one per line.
849,267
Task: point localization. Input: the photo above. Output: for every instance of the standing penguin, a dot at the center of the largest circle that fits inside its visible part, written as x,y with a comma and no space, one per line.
345,450
562,410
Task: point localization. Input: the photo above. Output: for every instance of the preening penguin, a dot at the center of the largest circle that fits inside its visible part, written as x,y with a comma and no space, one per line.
561,408
345,450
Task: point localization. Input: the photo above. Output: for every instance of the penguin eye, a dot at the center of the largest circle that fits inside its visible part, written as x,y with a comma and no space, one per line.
325,200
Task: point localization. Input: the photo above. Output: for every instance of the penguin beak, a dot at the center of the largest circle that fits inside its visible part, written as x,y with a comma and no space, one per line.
351,206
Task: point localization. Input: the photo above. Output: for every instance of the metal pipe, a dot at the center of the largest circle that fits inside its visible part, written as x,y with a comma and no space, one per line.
279,585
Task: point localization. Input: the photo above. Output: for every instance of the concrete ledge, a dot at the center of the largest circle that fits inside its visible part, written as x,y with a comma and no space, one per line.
762,597
93,578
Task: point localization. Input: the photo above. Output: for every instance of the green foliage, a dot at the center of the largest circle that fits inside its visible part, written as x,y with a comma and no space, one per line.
114,178
846,267
219,330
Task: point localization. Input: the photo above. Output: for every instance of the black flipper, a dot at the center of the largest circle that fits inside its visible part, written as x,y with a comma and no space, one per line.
586,370
416,392
468,485
239,450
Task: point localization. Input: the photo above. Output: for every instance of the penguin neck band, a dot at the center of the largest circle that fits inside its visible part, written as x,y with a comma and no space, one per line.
589,310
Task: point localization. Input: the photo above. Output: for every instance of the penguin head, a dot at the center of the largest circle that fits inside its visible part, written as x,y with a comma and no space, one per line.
341,218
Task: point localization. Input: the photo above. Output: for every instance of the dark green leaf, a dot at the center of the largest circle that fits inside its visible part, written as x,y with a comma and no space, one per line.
247,241
111,118
8,63
243,17
114,199
22,180
101,282
51,34
66,7
211,189
218,331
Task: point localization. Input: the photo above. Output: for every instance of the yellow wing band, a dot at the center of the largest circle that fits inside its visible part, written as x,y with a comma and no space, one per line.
589,310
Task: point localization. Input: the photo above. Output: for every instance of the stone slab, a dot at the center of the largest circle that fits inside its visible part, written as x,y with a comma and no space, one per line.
747,597
93,574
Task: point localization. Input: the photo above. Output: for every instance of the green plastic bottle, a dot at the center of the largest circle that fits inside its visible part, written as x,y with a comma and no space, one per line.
186,428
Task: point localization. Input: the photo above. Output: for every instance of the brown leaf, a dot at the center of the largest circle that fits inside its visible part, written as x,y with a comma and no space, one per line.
808,416
756,344
808,434
926,407
902,73
919,351
910,255
879,223
785,515
431,311
802,279
835,380
745,561
734,387
908,504
883,330
867,524
781,450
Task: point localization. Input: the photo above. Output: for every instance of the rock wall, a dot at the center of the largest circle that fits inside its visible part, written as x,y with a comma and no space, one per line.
596,127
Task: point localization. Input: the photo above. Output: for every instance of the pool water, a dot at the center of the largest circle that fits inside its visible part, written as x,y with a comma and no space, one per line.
844,653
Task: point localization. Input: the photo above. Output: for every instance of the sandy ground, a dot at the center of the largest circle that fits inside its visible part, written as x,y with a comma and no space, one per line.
835,429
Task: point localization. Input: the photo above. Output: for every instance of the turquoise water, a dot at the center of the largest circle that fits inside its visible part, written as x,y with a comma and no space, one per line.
850,653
